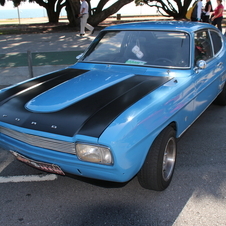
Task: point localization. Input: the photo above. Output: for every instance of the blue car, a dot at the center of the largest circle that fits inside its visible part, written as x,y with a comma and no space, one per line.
119,111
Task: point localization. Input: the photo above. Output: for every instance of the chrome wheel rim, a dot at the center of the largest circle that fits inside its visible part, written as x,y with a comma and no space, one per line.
169,159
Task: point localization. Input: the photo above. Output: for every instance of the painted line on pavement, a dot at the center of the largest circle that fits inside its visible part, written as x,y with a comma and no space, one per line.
28,178
6,162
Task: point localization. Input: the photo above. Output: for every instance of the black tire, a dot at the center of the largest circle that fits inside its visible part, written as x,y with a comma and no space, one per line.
221,98
157,170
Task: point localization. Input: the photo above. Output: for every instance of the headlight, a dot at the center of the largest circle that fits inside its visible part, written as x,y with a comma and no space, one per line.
92,153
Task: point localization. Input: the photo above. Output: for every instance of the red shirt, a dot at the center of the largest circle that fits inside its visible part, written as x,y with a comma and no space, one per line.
217,10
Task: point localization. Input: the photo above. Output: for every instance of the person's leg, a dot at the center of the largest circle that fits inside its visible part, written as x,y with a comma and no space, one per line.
83,21
214,22
206,19
219,23
88,26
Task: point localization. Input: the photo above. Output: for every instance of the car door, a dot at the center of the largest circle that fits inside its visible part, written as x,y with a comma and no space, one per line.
220,56
206,80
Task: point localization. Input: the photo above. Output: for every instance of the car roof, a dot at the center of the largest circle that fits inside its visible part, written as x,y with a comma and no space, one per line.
162,25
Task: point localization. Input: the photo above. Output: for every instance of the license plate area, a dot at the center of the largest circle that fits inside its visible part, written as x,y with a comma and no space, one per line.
51,168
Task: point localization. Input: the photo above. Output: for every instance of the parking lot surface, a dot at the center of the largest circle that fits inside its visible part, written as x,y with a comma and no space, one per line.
196,196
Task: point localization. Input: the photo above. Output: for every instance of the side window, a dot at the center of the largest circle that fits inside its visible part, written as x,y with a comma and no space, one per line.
217,42
203,49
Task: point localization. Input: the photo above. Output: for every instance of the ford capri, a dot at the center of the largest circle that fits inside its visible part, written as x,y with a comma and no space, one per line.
118,112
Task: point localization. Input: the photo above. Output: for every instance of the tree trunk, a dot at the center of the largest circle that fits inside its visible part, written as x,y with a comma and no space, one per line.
73,9
100,15
53,8
52,16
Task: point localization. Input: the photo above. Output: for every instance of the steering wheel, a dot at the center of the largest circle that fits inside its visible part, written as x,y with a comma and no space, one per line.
163,62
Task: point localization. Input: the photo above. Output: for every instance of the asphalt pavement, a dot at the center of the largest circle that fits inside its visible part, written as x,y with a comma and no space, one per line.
46,52
196,196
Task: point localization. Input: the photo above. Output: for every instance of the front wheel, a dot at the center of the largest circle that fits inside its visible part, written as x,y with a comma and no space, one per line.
157,170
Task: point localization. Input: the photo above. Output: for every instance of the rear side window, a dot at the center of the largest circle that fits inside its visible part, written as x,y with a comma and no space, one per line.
217,41
203,49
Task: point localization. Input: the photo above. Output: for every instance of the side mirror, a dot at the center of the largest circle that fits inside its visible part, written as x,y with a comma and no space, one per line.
201,64
79,56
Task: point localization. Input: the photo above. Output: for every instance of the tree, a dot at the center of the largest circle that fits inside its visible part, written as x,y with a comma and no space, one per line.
73,9
53,7
99,14
173,8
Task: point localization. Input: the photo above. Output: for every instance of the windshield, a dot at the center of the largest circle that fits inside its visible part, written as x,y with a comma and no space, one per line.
150,48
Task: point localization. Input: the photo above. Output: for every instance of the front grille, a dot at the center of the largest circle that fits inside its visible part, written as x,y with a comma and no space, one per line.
42,142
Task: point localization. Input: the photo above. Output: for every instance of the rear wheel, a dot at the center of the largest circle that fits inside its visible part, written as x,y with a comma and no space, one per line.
157,171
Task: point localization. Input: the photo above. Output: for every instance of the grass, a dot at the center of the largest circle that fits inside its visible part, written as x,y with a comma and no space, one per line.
10,32
9,28
39,59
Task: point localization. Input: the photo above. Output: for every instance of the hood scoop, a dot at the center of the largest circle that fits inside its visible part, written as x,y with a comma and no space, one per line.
74,90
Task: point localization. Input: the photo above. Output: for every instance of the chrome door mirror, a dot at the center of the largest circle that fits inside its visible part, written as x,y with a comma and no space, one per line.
201,64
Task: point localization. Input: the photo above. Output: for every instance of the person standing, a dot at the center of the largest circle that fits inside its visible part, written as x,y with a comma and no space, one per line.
217,15
196,14
84,15
206,12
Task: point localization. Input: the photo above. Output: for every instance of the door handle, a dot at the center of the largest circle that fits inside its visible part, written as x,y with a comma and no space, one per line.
220,64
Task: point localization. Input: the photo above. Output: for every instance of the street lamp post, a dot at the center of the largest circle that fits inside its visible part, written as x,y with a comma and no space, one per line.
18,12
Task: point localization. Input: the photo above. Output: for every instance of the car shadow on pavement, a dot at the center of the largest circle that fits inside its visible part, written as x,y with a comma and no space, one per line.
196,195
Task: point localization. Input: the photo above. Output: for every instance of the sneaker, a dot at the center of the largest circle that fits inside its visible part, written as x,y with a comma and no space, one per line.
82,35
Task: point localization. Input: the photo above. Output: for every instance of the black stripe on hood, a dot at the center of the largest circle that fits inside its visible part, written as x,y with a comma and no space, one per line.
50,80
89,116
